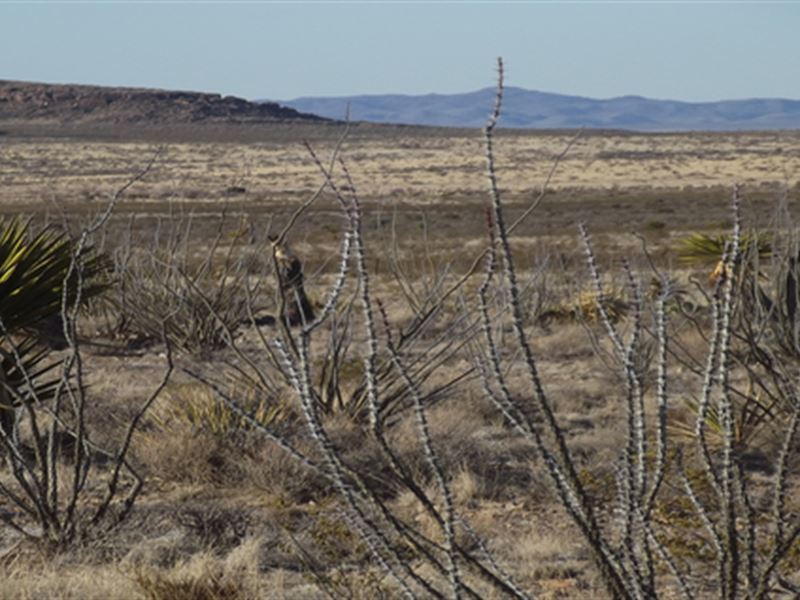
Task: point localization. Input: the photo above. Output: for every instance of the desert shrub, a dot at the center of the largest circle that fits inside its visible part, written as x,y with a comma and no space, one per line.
661,487
218,529
45,275
203,298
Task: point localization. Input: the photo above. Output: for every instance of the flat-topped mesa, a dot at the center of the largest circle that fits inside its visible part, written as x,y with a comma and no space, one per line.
95,104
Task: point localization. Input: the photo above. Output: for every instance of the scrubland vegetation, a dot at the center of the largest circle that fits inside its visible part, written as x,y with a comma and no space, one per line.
480,406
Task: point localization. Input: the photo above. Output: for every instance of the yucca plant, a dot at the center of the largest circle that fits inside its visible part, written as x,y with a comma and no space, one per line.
33,272
765,332
772,319
22,371
703,248
753,416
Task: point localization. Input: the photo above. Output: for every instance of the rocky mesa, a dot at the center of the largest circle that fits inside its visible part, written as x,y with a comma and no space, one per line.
85,104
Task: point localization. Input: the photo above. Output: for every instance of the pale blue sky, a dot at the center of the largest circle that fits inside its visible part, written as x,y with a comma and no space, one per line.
685,51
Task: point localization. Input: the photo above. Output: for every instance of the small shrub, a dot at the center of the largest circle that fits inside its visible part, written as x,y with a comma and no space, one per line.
655,225
202,300
583,307
219,529
196,406
702,248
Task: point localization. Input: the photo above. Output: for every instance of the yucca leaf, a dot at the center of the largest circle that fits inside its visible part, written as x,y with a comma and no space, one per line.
23,371
27,362
32,273
702,248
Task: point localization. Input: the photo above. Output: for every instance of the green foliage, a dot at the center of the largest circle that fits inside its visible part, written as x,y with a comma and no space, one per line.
31,357
770,304
703,248
22,371
765,305
750,416
33,269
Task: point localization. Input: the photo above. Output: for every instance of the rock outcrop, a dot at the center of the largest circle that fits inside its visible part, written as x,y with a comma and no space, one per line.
21,101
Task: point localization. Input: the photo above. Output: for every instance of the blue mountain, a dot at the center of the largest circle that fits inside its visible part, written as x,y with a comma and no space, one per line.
531,109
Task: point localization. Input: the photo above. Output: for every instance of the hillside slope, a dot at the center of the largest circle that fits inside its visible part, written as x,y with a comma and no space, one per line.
22,101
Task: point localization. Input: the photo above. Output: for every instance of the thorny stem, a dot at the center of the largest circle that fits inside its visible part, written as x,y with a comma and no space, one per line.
586,521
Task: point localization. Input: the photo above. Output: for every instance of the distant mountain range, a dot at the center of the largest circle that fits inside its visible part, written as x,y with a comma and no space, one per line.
85,104
531,109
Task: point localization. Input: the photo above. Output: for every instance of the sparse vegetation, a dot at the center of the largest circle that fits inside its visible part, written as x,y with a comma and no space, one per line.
168,278
481,415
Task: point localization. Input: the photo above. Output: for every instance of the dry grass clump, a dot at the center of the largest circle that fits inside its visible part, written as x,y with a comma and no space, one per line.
88,571
187,458
197,583
58,582
194,437
175,449
195,406
204,576
474,450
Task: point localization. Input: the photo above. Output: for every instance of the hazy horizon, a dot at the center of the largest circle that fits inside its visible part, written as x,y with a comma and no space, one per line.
552,92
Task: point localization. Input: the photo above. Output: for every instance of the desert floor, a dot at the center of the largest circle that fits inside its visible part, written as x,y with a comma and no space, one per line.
225,512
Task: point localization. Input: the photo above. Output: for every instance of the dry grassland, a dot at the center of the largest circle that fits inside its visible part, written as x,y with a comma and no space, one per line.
394,168
229,516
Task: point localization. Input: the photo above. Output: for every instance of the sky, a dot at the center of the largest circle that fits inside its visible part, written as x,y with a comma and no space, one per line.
694,51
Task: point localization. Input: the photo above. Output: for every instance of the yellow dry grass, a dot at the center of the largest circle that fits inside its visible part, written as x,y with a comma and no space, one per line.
418,169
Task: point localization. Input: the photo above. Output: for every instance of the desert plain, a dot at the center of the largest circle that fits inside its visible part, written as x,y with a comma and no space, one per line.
224,512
